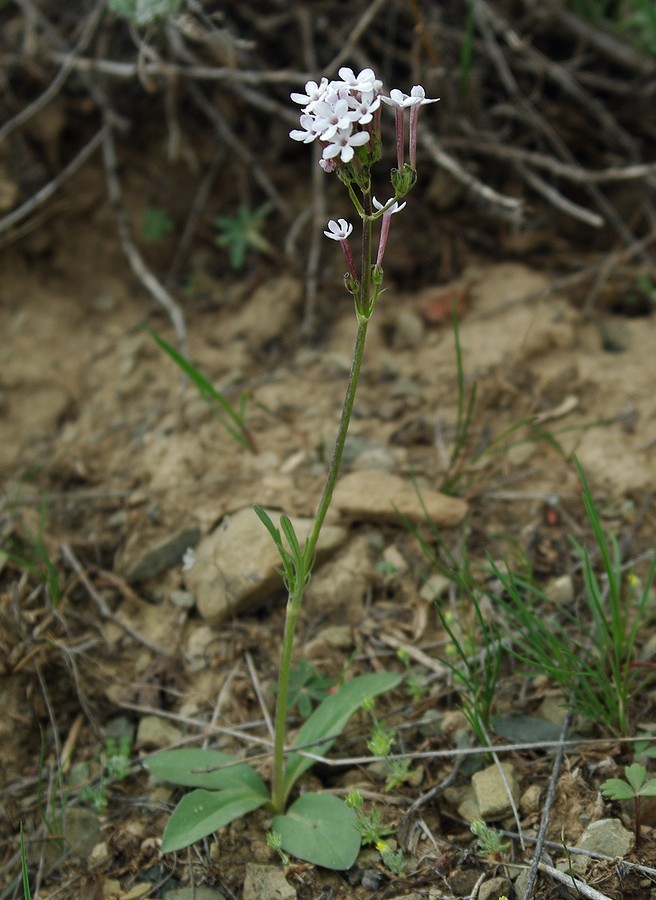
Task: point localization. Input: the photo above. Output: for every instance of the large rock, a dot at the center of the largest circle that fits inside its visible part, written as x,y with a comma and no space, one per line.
377,496
236,566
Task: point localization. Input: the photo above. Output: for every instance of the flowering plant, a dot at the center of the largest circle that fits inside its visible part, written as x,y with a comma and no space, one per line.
345,117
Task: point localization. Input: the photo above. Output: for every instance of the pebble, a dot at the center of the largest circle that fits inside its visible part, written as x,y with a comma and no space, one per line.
606,836
492,793
141,563
154,733
266,883
377,496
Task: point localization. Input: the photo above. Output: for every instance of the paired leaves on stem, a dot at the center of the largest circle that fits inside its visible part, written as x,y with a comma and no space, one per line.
319,828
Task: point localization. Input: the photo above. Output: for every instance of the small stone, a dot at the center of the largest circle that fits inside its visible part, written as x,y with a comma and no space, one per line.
182,599
199,640
607,836
409,331
560,591
266,883
377,496
492,793
454,722
82,831
372,879
139,563
395,560
553,709
529,802
339,637
154,732
434,587
494,888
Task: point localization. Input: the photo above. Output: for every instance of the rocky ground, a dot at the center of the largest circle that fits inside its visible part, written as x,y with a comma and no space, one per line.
112,469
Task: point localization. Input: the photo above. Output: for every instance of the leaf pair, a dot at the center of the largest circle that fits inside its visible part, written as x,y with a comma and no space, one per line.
319,828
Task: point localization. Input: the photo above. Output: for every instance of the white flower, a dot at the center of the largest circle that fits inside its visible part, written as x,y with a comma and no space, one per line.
188,559
364,107
313,93
310,130
338,230
342,144
333,117
418,95
399,100
394,208
364,82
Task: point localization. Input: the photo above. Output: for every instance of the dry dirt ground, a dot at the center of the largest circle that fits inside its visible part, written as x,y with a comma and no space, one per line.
107,466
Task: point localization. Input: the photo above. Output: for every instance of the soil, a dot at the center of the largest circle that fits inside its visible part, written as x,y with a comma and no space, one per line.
104,457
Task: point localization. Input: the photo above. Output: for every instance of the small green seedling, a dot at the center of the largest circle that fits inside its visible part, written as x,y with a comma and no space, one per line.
25,875
232,419
116,767
644,750
489,841
370,825
416,690
241,233
156,223
145,12
274,842
394,860
374,833
28,551
636,786
381,743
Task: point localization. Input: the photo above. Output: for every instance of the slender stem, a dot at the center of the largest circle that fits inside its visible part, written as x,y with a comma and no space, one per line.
302,575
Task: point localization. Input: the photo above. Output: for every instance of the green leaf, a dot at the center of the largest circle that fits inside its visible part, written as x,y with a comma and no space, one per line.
649,789
617,790
208,392
330,717
636,775
321,829
265,519
210,769
200,813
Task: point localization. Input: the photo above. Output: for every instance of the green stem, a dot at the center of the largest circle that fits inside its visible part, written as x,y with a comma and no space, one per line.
279,792
278,788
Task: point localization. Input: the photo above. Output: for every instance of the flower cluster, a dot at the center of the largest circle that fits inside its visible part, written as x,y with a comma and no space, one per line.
344,114
333,110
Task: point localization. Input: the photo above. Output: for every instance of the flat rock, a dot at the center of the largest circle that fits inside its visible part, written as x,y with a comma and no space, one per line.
377,496
492,794
236,565
266,883
495,888
141,561
607,836
154,732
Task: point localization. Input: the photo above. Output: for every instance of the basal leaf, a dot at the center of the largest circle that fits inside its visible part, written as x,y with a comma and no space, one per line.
320,828
210,769
200,813
330,717
636,775
617,790
649,789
